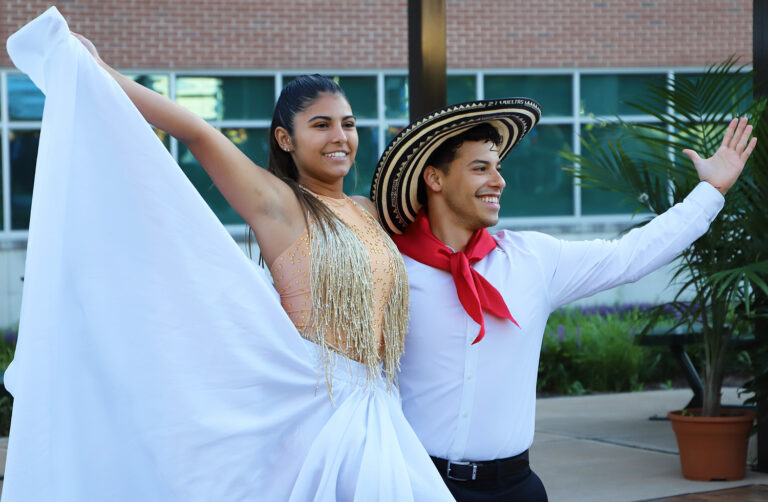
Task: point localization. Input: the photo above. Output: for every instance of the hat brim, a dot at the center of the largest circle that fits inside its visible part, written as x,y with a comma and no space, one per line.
395,185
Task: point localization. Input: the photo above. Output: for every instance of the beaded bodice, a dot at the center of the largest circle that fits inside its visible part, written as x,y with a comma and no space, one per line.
357,304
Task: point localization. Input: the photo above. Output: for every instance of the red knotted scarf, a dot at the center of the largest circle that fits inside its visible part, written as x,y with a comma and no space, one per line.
475,293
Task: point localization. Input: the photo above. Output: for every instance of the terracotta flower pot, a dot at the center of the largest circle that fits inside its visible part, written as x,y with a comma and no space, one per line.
712,448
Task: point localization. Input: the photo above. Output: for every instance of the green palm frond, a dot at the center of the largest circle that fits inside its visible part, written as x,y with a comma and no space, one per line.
726,270
740,280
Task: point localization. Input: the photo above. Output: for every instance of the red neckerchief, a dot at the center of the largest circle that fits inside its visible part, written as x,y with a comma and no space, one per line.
475,293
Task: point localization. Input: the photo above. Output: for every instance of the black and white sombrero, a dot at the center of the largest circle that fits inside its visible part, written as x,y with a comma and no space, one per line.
396,180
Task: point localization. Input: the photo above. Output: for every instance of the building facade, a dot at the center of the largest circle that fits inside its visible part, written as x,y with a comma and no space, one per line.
228,59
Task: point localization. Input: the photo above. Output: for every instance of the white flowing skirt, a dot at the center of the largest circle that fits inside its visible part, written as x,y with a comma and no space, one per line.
154,360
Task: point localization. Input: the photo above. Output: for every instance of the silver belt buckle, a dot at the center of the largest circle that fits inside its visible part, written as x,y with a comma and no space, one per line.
448,471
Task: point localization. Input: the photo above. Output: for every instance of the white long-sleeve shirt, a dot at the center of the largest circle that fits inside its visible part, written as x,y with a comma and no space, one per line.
477,402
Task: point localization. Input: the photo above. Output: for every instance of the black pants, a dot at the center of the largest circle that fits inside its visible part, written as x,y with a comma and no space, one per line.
524,486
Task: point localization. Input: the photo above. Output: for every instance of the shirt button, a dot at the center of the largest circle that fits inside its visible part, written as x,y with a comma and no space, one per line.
470,376
465,415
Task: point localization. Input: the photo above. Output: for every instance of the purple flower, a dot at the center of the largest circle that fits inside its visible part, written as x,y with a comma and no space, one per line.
10,336
560,333
578,337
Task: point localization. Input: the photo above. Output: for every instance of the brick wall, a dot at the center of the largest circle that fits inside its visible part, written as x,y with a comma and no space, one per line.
579,33
372,34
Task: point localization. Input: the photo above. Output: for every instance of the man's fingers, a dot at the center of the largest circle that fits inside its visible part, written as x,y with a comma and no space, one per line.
751,146
729,133
692,155
743,139
738,133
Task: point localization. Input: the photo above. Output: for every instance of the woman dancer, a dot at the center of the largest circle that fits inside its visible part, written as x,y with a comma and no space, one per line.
349,292
215,395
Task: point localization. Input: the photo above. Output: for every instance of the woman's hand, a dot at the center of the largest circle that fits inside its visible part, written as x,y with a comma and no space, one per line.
265,202
723,168
88,45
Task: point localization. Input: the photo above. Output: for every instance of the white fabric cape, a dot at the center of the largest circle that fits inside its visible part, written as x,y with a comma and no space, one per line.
154,360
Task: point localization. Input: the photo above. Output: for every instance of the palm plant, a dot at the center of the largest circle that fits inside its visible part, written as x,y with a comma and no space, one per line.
721,280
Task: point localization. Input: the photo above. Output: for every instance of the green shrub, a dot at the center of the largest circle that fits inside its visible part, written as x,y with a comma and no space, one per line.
586,351
594,349
7,348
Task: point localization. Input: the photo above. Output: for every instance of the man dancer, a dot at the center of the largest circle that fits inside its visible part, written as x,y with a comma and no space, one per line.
480,302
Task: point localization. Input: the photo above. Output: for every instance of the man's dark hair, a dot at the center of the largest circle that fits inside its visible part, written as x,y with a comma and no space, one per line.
446,153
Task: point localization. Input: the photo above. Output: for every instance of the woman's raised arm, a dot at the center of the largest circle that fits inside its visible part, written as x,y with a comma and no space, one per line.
265,202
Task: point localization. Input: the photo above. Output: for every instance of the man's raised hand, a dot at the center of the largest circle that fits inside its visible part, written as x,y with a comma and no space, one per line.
723,168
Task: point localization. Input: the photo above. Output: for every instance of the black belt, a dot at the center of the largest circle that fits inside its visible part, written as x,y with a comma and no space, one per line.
482,471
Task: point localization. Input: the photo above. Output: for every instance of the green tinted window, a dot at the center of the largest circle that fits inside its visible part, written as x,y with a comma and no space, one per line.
227,98
158,83
607,94
536,182
360,92
23,150
554,93
594,201
461,88
396,97
25,101
253,142
358,181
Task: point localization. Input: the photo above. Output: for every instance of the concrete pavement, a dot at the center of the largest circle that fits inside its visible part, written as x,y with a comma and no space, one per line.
603,448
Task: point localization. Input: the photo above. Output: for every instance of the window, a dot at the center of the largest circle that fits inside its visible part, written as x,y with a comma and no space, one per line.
25,101
537,185
25,110
227,98
361,94
553,92
23,152
574,102
606,95
459,88
601,202
251,141
358,181
396,97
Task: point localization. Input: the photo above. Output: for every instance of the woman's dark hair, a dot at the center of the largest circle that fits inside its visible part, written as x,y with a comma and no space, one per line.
296,97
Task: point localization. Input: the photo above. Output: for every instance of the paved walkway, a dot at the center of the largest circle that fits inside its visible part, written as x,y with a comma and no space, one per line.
604,448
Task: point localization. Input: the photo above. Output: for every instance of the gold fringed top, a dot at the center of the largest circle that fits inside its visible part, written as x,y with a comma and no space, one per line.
345,288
